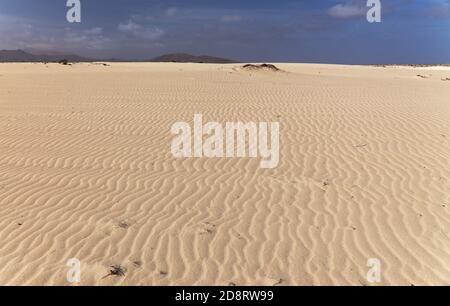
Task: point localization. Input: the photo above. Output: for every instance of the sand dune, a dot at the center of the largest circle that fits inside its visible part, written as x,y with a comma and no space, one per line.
86,172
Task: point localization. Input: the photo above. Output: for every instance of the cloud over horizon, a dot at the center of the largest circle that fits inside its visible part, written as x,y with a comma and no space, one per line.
303,30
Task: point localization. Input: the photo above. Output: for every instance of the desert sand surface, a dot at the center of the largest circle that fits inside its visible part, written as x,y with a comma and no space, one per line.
86,172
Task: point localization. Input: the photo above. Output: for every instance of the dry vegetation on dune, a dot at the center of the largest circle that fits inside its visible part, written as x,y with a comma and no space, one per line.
261,67
86,172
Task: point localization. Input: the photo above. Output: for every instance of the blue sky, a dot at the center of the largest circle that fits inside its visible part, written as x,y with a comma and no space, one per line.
332,31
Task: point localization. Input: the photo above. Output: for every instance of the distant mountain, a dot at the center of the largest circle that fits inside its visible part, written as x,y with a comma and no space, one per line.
38,56
189,58
31,55
56,55
16,56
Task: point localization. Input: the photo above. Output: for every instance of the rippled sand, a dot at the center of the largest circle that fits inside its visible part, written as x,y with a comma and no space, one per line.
86,172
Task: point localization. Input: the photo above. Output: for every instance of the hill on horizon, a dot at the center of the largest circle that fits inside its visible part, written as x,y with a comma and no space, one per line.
31,55
39,56
189,58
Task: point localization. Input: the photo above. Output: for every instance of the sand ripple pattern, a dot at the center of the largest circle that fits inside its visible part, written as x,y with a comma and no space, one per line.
86,172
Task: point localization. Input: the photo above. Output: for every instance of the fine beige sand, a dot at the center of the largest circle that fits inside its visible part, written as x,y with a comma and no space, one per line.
86,172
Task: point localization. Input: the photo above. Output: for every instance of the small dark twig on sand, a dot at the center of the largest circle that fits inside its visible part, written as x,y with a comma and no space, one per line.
116,270
123,224
280,281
